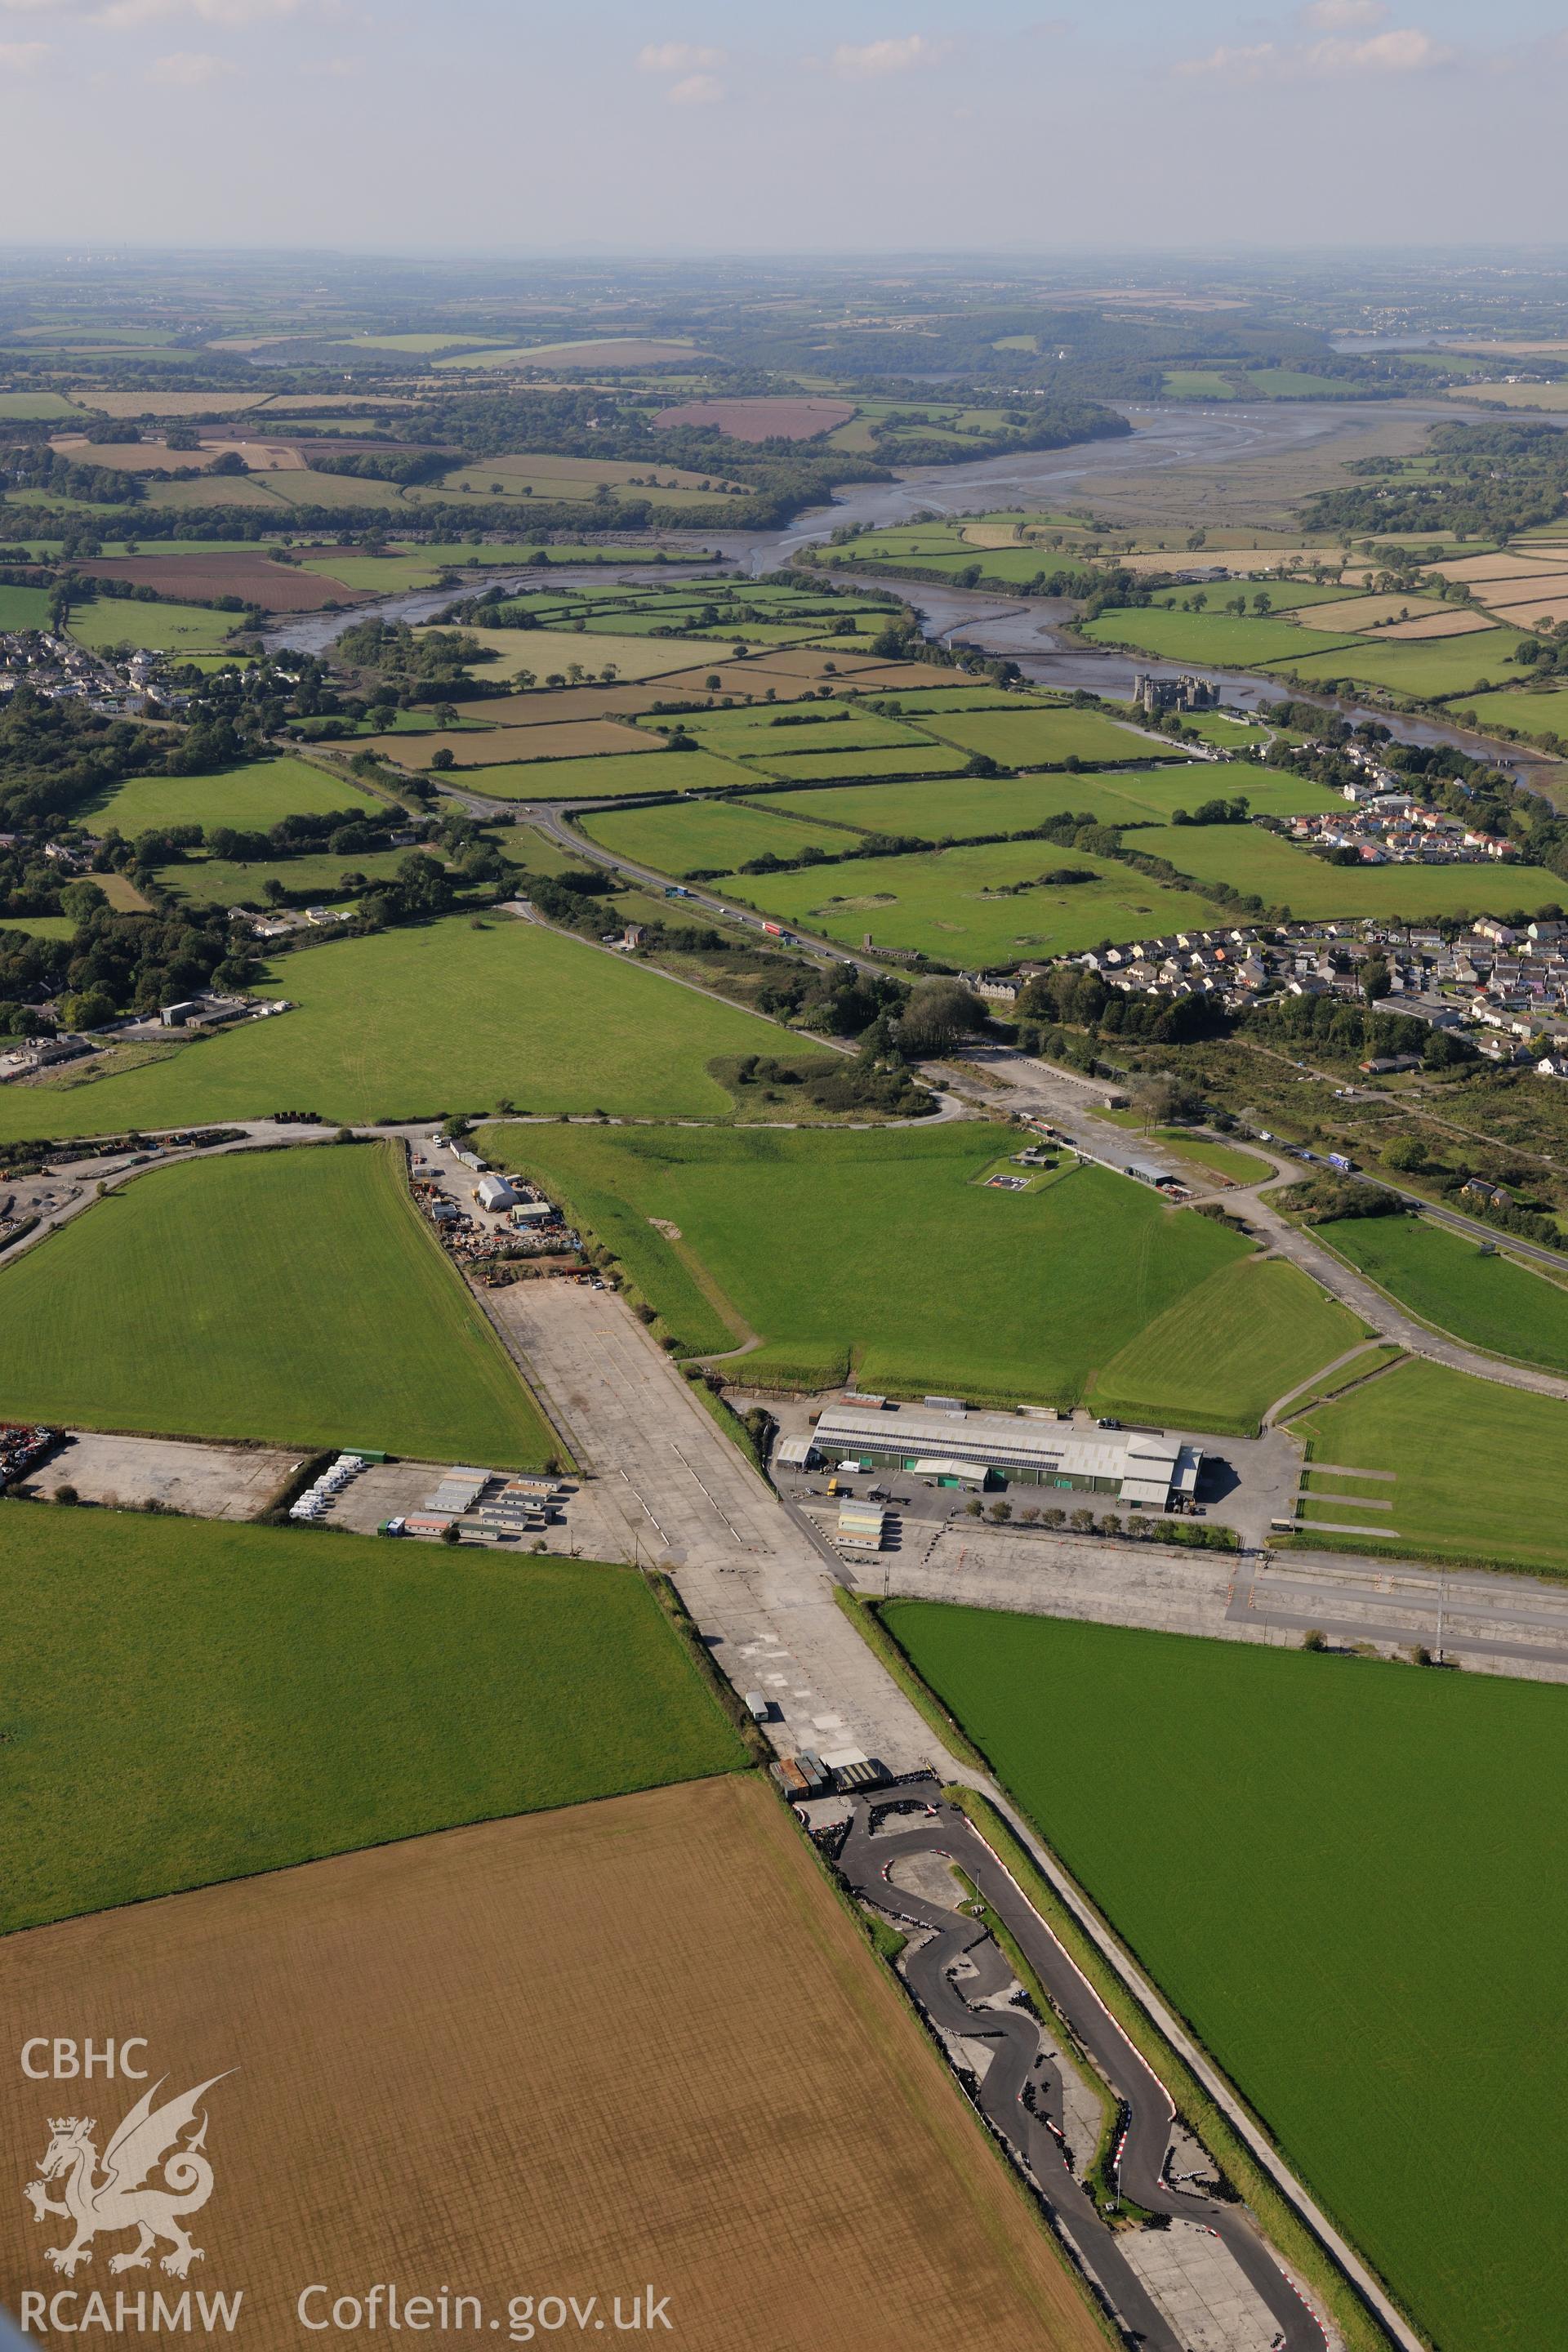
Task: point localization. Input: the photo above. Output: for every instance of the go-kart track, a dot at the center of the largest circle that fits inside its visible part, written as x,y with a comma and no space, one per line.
912,1819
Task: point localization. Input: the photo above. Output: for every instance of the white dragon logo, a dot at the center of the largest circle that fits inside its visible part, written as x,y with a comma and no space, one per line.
147,2141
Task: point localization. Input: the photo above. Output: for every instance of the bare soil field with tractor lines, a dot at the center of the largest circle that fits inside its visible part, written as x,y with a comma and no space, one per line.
414,2054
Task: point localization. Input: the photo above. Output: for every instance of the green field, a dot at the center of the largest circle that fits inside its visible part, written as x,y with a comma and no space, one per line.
1470,1461
1282,875
1290,384
1347,1902
188,1701
1268,791
40,927
1220,638
250,799
1494,1303
36,406
378,575
164,628
1037,1291
948,903
1041,739
434,1018
205,881
1544,712
24,608
605,775
1007,804
976,805
1198,383
1440,666
293,1295
915,759
712,836
1222,1354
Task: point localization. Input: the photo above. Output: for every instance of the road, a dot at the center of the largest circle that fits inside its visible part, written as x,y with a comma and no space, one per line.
1010,1080
924,1824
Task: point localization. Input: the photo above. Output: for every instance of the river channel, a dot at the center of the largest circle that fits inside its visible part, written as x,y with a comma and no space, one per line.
1023,629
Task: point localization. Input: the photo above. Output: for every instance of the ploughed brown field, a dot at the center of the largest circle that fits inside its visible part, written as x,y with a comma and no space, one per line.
276,587
548,706
473,748
629,2042
762,420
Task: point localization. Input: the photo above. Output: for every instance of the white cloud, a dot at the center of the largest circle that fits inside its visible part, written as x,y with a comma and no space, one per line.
677,57
890,56
189,68
1237,65
1339,15
1404,50
22,57
697,89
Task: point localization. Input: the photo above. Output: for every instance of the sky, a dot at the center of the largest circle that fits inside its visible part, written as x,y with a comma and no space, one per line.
695,126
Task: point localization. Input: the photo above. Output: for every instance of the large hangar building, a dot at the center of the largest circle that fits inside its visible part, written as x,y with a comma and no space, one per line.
955,1447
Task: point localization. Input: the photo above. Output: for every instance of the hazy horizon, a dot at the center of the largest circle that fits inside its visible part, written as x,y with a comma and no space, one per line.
320,125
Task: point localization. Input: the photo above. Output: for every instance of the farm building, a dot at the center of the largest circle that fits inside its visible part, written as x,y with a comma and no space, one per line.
959,1447
493,1192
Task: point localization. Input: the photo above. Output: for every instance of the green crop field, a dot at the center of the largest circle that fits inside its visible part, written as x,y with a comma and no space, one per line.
164,628
37,406
1282,875
24,608
913,760
976,805
483,554
1218,637
189,1701
1221,1355
712,836
957,904
1537,712
1284,596
40,927
1290,384
434,1018
1197,383
1268,791
605,775
1495,1302
379,575
203,881
293,1295
1038,1290
1041,739
1442,666
1348,1903
1468,1457
250,799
